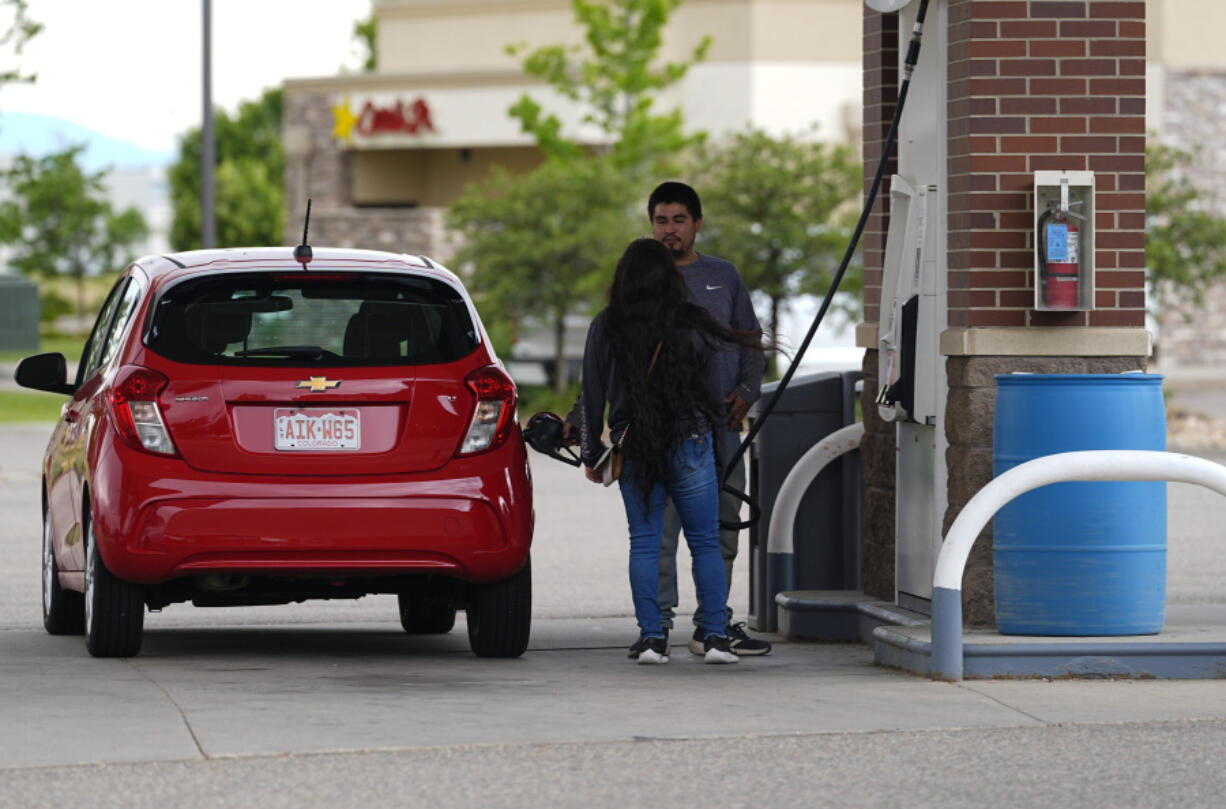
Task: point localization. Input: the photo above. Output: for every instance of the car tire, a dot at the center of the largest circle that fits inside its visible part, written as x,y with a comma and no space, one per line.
114,608
425,616
63,610
500,615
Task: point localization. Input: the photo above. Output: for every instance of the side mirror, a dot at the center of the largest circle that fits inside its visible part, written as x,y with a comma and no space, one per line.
47,372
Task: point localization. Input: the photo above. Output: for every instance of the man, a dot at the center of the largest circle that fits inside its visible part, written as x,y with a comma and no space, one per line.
676,219
675,212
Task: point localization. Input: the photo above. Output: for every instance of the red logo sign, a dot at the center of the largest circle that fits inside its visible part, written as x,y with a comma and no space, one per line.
414,118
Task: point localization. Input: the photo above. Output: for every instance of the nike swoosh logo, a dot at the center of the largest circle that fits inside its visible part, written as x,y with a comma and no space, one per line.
709,287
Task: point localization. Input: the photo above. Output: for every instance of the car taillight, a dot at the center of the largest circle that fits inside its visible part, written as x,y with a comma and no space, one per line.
133,403
493,412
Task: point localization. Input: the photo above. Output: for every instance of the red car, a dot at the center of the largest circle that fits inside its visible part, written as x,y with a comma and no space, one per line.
247,429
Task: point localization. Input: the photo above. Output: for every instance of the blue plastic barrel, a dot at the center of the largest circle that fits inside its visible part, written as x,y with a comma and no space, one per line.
1080,558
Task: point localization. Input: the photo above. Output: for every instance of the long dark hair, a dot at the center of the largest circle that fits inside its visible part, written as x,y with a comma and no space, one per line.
648,307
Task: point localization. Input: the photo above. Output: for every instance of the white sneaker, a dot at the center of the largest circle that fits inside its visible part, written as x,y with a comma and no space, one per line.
654,650
717,650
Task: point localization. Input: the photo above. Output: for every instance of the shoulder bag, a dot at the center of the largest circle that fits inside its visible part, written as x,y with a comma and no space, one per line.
610,463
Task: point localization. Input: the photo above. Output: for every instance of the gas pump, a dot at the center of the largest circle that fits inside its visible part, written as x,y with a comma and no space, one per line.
907,340
911,369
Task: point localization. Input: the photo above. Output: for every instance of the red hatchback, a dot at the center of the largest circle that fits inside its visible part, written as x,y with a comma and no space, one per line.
245,429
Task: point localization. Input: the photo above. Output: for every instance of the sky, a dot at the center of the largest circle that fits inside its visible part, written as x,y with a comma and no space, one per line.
131,69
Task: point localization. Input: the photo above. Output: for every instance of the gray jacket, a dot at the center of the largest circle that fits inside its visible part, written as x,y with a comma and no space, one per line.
601,384
715,285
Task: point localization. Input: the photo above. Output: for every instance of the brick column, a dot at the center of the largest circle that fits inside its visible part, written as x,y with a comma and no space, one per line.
1036,86
877,446
1033,85
318,169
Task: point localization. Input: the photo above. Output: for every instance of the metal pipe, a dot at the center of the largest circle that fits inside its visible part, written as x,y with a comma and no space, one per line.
779,537
208,224
780,545
1062,467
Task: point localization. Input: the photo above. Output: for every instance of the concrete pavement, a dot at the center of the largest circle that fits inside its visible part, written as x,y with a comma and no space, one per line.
330,704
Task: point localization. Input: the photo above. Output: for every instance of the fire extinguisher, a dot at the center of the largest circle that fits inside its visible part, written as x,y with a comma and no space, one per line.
1059,248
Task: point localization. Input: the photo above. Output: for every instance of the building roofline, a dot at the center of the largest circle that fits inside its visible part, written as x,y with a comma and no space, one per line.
374,82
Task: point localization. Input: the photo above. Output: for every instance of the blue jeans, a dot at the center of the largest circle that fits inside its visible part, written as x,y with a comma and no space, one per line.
694,490
729,511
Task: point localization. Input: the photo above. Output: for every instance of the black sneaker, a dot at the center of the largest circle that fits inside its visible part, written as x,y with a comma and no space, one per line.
650,650
639,645
698,642
717,650
744,645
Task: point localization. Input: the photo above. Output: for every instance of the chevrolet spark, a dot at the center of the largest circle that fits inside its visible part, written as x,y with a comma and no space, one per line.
246,428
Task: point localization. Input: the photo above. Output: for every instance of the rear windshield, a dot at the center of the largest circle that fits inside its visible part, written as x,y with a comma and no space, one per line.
323,319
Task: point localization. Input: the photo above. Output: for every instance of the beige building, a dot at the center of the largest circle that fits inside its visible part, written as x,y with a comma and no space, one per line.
382,154
1187,109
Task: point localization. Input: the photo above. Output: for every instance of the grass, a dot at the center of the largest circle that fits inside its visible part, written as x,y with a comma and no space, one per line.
68,345
18,406
96,288
32,405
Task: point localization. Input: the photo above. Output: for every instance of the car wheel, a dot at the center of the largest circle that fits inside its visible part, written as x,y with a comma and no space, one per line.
114,609
63,610
424,616
500,615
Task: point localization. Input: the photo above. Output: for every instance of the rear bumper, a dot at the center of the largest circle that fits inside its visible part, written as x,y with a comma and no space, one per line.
473,522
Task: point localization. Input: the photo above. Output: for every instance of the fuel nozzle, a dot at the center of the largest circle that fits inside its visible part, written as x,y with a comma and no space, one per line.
544,434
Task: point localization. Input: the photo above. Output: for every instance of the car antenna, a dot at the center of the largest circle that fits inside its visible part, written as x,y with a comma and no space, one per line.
302,253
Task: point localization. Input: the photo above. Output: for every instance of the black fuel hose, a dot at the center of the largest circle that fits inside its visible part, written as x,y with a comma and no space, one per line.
755,511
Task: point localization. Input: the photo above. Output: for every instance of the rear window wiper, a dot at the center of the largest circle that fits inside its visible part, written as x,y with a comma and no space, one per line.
296,352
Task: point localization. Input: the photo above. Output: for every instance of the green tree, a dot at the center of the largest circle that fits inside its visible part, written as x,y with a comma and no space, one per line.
366,32
613,78
1185,238
542,245
58,221
21,29
781,209
545,244
249,178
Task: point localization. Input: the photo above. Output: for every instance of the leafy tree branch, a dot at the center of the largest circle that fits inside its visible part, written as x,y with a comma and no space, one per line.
58,220
1185,237
249,178
613,78
781,209
21,29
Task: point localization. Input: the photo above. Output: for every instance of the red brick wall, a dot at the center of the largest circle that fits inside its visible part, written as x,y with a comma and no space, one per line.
1039,85
880,98
877,449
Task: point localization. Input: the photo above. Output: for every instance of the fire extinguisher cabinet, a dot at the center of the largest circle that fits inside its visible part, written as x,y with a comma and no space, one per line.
1083,558
1063,240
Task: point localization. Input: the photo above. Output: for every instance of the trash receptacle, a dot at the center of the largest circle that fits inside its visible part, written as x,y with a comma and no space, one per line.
827,537
18,314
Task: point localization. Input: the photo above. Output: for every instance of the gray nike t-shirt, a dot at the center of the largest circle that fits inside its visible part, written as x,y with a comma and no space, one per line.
716,286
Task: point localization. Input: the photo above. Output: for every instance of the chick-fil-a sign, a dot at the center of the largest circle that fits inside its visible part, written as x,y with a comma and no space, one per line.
413,118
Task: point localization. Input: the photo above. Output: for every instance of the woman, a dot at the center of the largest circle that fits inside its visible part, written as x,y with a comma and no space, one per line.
649,355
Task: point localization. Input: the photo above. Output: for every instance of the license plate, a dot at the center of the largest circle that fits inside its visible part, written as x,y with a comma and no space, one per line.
316,429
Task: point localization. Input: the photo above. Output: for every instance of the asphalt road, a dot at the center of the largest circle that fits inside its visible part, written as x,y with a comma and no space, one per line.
331,705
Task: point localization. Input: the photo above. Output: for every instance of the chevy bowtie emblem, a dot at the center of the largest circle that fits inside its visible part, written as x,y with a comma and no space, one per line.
318,383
